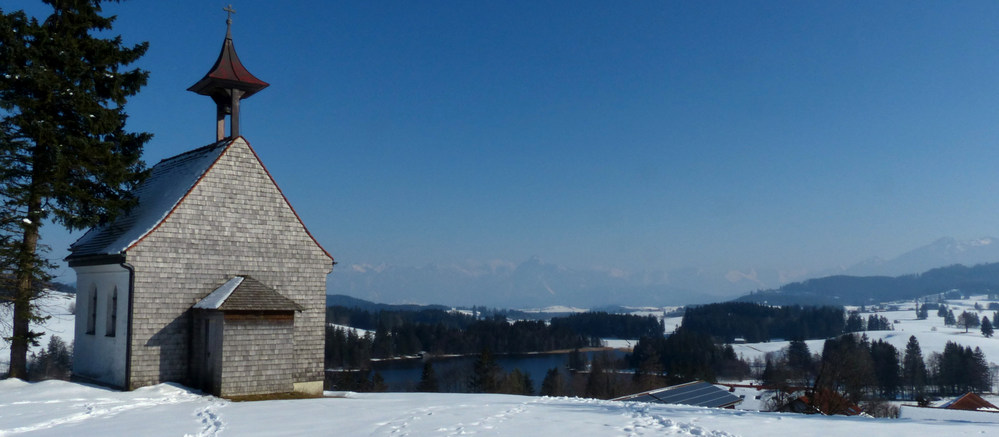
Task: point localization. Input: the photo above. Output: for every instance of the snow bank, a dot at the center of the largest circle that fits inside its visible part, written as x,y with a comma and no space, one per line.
912,412
56,408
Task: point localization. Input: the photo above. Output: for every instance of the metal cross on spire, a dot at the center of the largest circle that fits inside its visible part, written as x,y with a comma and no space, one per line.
227,83
228,11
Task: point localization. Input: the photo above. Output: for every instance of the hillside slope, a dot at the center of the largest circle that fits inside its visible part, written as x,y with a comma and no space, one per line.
866,290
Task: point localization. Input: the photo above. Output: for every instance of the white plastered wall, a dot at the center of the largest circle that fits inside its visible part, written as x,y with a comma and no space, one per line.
97,355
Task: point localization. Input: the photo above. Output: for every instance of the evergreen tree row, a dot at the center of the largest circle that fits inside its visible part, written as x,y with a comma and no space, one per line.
759,323
602,378
686,355
347,349
959,370
605,325
593,324
861,370
389,319
856,323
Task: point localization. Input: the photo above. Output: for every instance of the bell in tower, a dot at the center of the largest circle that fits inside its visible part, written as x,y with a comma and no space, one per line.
227,83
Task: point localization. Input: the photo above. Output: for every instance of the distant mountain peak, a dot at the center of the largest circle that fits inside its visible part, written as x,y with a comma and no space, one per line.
943,251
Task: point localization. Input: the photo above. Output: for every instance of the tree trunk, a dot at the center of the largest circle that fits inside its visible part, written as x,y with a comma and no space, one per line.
21,335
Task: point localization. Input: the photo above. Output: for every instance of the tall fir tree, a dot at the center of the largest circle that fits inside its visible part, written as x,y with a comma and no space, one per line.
887,371
486,374
854,323
949,318
846,367
428,380
65,155
914,368
53,362
987,329
554,383
799,363
978,370
599,384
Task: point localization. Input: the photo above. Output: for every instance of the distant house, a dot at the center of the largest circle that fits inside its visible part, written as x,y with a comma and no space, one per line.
212,281
697,393
968,407
970,402
822,402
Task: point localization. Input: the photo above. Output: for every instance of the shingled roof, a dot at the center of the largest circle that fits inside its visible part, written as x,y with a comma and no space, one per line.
168,182
244,293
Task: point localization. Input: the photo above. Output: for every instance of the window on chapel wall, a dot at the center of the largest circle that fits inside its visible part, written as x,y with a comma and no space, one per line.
92,311
112,314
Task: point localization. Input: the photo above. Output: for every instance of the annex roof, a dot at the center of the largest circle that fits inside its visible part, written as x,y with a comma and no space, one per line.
697,393
244,293
168,182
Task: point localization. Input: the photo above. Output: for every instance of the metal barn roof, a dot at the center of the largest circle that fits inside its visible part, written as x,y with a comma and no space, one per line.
969,401
697,393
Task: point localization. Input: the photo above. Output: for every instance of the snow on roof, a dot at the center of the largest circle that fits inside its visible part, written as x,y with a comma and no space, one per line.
215,299
243,293
168,183
969,401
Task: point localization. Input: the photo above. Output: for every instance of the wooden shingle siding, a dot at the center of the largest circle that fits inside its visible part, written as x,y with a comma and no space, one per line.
234,222
255,357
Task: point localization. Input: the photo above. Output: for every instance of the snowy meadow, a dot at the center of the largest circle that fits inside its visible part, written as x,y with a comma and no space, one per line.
57,408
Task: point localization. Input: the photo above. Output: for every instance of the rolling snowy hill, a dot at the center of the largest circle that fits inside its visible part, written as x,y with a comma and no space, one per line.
931,333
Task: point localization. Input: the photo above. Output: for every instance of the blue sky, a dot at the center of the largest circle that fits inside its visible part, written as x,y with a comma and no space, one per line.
639,135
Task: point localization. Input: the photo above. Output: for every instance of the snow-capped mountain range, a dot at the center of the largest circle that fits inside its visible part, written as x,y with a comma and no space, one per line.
942,252
538,283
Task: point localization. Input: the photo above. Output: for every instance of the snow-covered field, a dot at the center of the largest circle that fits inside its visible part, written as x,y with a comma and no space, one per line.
560,309
931,333
358,331
57,306
56,408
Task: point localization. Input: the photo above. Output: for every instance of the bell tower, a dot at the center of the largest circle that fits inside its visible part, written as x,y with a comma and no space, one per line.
227,83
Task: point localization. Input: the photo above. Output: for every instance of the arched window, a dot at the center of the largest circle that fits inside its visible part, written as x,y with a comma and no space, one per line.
112,314
92,311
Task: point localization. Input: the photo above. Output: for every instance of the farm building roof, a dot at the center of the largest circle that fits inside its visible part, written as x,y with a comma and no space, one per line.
697,393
